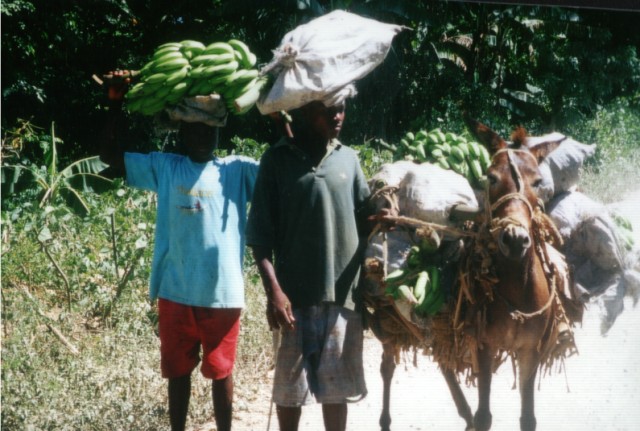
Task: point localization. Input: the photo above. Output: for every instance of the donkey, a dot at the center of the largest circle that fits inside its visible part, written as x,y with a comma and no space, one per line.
519,300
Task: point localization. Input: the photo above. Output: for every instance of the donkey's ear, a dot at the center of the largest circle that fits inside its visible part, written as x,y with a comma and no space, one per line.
487,137
519,137
541,151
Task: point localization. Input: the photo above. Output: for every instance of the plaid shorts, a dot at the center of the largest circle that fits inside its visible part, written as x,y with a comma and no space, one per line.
321,359
184,330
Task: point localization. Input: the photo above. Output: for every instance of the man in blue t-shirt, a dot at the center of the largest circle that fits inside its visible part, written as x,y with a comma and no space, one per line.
196,273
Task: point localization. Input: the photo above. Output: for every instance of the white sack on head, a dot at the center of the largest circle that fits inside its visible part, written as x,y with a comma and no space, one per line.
320,60
210,110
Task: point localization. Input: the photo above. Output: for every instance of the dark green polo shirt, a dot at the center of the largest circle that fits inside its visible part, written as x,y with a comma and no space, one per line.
309,216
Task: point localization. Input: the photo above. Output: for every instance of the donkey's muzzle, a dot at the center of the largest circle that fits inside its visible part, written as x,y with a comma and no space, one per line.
514,241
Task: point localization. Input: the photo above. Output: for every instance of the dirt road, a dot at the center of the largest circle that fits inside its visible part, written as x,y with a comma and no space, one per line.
599,392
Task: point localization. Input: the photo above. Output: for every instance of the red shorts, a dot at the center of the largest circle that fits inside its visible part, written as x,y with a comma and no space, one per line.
184,328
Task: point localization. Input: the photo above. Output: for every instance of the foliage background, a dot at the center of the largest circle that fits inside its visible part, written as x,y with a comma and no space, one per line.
576,71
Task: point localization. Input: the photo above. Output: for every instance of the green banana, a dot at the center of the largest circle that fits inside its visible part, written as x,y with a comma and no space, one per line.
177,92
158,53
435,305
474,149
245,52
397,274
476,169
457,154
464,148
436,153
450,137
245,101
156,78
134,105
172,55
177,76
485,158
218,48
169,44
226,69
212,59
192,44
152,106
440,136
433,291
171,65
446,148
420,288
163,92
443,163
404,292
239,90
421,135
196,88
197,72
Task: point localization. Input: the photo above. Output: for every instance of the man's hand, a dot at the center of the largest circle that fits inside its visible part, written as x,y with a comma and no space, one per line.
118,85
279,312
384,218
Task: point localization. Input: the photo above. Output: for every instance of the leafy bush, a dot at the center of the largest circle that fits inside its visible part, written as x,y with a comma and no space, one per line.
615,129
87,278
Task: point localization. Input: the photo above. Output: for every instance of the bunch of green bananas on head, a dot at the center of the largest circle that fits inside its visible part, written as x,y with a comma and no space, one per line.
447,150
189,68
418,283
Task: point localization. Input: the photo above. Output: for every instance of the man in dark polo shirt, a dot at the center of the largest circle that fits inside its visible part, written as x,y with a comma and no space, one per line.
308,214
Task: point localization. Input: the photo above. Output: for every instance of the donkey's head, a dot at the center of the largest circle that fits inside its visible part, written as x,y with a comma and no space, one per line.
512,179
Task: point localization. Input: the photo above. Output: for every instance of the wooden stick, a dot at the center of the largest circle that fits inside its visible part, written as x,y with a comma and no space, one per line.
52,328
420,223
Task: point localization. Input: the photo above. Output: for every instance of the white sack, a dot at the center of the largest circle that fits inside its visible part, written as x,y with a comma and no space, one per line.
560,170
569,209
321,59
425,191
428,192
208,109
596,239
546,190
399,244
389,175
565,163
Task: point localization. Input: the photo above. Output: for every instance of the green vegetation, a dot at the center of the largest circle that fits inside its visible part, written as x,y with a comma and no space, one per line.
79,347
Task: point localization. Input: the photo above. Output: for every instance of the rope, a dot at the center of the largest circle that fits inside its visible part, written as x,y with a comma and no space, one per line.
409,221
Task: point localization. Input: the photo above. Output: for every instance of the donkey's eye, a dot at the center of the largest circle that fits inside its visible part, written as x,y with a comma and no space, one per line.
492,178
536,183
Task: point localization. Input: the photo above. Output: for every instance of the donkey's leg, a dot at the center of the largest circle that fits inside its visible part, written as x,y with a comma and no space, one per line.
458,398
387,368
528,368
482,418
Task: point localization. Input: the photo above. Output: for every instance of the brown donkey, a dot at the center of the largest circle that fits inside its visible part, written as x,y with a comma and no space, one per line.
512,291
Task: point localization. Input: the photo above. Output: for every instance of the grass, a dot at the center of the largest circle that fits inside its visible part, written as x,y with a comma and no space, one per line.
114,383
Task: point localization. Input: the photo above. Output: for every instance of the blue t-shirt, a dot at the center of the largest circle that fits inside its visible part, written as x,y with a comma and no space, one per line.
201,218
